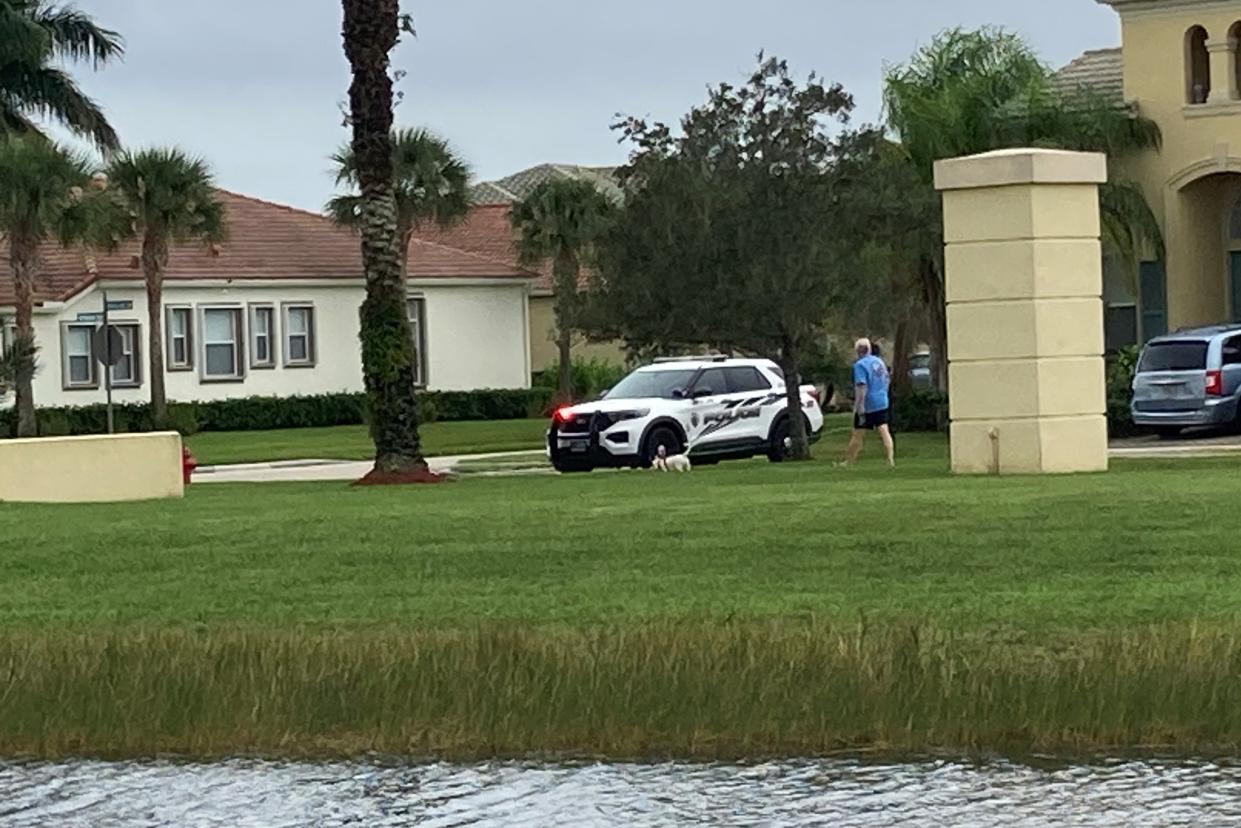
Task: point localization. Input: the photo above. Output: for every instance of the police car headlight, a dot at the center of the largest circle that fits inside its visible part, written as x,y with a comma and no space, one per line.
621,416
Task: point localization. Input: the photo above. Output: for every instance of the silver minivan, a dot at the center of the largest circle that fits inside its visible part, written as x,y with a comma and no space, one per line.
1188,379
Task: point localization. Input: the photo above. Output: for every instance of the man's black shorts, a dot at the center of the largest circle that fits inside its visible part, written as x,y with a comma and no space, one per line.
872,421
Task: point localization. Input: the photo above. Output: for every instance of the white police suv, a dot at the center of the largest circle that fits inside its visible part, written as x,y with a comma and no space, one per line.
718,408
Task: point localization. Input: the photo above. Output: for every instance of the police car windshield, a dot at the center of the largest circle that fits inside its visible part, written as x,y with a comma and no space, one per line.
652,383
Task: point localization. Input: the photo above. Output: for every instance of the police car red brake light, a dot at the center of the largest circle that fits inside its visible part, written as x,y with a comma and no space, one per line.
564,414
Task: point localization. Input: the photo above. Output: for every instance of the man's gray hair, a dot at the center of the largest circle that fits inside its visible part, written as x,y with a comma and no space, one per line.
862,346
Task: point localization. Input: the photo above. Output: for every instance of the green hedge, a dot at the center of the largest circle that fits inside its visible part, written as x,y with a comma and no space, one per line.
920,410
264,413
1120,370
591,377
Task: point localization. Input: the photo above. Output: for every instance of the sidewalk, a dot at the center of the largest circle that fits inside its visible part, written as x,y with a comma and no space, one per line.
309,470
1187,447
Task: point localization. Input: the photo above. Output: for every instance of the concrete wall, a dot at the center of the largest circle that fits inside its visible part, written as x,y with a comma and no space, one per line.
543,352
91,469
1199,141
1024,288
477,337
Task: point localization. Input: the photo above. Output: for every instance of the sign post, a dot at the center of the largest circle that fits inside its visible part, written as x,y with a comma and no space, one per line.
106,345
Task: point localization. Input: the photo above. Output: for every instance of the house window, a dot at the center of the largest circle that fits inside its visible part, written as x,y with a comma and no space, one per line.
416,307
1197,66
221,336
127,372
1153,285
299,335
180,326
262,336
79,358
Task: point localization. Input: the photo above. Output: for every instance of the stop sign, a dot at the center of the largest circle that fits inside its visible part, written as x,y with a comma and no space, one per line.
104,337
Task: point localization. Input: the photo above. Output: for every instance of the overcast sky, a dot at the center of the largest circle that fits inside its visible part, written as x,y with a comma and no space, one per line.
256,86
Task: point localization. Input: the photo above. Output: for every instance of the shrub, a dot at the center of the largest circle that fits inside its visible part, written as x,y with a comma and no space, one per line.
1120,371
920,410
591,377
265,413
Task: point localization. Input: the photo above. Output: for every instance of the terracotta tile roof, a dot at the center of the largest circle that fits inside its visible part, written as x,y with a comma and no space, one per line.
1102,70
266,241
487,232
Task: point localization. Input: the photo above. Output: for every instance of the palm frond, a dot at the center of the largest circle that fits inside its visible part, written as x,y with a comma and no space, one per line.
345,210
76,36
53,94
169,192
18,362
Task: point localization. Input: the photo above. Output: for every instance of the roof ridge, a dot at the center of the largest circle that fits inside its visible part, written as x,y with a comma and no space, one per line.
288,208
473,255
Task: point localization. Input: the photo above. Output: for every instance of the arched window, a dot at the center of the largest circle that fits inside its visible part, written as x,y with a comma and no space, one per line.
1197,66
1234,224
1234,37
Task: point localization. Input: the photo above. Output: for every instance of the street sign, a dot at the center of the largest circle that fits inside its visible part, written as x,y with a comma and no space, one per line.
102,338
90,317
120,304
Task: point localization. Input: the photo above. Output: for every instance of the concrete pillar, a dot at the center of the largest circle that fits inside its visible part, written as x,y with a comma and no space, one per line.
1024,285
1223,71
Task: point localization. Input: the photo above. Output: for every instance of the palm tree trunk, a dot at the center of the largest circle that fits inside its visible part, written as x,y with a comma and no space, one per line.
565,272
24,255
154,262
800,449
937,318
564,344
370,32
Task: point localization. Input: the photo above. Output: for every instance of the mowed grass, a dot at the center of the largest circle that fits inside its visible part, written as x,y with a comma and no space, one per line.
1147,543
354,442
742,611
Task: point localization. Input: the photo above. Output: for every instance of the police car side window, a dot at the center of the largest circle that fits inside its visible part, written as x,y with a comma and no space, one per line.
745,378
711,380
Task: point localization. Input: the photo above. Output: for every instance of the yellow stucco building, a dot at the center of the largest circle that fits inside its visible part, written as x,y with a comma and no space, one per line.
1179,67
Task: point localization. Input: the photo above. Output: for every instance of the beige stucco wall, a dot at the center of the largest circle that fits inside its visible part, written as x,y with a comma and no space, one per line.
543,353
1193,181
1025,312
91,469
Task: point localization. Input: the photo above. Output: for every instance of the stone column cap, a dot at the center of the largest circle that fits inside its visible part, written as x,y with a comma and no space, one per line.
1014,167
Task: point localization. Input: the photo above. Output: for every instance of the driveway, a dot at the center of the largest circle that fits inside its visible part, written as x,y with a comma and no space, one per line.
1210,444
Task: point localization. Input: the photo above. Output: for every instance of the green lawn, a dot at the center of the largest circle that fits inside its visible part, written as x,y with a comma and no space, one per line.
1149,542
353,442
738,612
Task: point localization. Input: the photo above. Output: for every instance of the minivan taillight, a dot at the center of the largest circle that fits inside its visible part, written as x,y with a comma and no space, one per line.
1215,383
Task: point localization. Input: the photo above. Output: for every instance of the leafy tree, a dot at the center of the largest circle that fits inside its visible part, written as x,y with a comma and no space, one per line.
969,92
736,229
36,37
165,197
40,193
560,221
431,183
371,30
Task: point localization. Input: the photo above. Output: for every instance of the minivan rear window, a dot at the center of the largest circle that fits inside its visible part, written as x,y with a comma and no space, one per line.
1174,356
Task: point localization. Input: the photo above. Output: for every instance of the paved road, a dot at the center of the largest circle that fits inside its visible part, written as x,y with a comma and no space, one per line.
302,470
1207,445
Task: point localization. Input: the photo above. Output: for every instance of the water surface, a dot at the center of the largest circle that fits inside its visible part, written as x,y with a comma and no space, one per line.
827,793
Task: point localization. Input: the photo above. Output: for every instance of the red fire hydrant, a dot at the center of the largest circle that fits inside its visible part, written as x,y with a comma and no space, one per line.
188,464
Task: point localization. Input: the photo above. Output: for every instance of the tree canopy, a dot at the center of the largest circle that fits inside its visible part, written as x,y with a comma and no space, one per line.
737,231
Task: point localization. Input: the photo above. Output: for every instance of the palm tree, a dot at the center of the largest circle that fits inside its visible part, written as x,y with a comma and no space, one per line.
39,189
35,38
561,220
975,91
370,32
167,197
431,184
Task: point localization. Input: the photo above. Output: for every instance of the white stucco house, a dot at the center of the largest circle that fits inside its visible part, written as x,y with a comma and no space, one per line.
272,311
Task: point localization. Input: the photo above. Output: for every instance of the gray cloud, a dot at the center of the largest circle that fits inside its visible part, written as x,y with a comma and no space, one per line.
256,85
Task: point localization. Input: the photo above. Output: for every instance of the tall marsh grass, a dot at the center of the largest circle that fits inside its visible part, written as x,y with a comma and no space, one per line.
692,691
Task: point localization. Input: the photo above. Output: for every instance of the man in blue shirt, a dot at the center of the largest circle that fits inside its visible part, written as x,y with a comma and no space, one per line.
871,406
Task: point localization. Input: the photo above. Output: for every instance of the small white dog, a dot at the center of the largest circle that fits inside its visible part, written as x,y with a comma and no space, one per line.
675,463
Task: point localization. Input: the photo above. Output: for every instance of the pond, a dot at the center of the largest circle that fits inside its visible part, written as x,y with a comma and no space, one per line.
827,793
